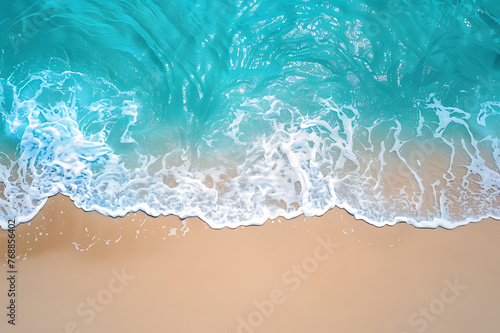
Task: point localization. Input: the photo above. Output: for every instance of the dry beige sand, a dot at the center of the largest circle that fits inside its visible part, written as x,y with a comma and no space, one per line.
83,272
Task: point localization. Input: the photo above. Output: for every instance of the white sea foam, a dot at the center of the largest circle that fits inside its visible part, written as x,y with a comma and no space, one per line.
265,160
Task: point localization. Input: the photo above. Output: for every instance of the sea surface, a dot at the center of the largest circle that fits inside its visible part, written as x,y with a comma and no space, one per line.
241,111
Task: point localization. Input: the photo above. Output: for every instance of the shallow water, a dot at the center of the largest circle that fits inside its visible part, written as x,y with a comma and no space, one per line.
240,111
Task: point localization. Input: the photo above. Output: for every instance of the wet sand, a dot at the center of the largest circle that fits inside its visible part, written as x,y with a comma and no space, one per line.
83,272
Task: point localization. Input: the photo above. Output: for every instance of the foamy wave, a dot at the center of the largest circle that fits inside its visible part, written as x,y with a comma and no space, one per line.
444,173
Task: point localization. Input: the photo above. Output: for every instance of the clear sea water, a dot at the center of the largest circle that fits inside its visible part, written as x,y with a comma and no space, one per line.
241,111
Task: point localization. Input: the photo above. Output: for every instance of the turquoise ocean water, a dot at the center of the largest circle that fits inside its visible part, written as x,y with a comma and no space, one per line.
240,111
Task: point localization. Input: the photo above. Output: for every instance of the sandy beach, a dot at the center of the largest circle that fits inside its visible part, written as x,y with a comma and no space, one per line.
83,272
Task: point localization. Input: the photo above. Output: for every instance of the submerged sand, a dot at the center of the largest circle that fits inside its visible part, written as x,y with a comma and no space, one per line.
84,272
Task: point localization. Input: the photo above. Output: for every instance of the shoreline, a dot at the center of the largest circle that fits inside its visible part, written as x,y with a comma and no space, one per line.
359,217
